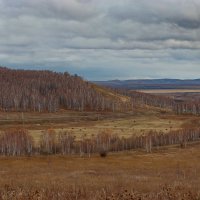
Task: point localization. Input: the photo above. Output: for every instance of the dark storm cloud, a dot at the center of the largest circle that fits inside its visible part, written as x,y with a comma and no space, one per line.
100,39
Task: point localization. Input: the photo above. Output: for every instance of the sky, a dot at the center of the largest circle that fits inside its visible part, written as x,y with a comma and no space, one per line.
103,39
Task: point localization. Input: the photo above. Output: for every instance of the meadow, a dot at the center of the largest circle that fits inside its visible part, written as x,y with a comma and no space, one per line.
167,173
88,124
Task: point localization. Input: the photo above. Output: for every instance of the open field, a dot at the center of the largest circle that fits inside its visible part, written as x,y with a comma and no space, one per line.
187,95
89,124
169,91
94,177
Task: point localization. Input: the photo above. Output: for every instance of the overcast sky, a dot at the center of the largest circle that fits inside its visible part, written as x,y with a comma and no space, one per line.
103,39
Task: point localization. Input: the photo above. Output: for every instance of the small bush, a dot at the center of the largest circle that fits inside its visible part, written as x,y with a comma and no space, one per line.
103,153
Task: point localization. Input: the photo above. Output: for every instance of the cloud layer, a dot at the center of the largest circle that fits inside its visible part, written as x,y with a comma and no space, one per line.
104,39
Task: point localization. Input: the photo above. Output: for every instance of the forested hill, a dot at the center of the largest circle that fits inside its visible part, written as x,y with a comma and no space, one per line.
28,90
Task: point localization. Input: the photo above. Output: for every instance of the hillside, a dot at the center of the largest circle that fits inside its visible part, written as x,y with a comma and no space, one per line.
47,91
29,90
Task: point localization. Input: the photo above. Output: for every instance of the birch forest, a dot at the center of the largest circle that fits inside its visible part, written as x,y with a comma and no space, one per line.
26,90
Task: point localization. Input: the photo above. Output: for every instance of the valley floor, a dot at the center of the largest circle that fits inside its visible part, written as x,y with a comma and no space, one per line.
167,172
87,124
98,178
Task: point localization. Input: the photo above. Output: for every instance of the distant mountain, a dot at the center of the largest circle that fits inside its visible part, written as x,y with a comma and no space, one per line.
151,84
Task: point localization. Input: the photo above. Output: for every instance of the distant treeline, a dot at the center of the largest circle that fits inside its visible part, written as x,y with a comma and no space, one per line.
29,90
160,101
20,142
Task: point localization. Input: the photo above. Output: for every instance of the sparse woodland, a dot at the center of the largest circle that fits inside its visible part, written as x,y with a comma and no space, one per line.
19,142
39,91
182,107
26,90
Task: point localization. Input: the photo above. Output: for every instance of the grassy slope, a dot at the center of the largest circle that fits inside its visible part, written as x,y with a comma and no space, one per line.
111,94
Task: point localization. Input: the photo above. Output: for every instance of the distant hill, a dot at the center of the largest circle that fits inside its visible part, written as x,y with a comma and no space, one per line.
31,90
151,84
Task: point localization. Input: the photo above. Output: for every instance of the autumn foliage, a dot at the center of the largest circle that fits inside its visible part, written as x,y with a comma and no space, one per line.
179,107
29,90
20,142
39,91
16,143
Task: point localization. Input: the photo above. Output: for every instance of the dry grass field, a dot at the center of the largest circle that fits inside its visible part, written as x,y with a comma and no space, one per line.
169,173
98,178
177,94
169,91
88,124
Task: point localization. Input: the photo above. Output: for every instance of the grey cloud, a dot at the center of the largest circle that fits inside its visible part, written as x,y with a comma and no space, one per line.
57,9
183,13
102,38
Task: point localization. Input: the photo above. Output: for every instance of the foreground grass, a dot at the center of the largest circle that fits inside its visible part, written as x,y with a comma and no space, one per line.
127,173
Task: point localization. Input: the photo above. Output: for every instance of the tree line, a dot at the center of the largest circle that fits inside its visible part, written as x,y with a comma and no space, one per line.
18,142
177,106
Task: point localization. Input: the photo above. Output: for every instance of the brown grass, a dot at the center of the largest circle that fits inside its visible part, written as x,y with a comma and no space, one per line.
111,94
167,91
136,172
87,124
171,173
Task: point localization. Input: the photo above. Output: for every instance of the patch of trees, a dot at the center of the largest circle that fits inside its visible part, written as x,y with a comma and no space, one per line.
20,142
189,107
16,143
152,100
179,107
29,90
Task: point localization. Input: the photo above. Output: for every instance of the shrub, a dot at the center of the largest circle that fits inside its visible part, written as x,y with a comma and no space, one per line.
103,153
